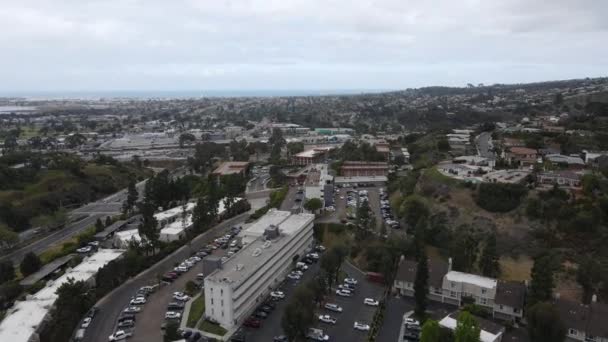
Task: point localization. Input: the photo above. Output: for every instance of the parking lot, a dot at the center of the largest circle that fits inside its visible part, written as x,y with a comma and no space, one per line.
353,310
346,211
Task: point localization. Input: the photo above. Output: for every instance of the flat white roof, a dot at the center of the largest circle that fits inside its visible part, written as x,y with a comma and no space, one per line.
272,217
174,211
177,227
24,317
248,260
475,279
484,336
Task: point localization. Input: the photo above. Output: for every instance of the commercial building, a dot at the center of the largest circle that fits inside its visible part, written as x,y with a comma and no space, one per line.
231,168
311,156
363,169
23,322
569,162
563,179
176,230
318,177
334,131
272,218
243,281
504,299
169,216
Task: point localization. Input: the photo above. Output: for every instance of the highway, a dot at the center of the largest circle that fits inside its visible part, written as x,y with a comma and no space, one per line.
113,303
108,206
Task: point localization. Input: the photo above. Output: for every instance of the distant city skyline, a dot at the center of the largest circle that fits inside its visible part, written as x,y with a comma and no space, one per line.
295,45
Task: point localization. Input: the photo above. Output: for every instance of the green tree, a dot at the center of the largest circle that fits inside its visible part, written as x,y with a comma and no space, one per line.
299,314
542,282
238,150
148,228
8,238
108,221
30,264
98,225
464,248
73,301
589,275
294,148
467,328
171,332
421,287
7,271
132,196
545,324
431,331
412,209
488,262
365,216
313,204
186,138
75,140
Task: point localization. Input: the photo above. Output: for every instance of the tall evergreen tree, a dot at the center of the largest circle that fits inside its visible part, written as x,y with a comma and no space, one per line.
421,287
488,263
542,283
431,331
544,323
98,225
148,228
7,271
132,196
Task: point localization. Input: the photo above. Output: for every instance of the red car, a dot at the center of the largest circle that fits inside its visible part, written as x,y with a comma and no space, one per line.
252,323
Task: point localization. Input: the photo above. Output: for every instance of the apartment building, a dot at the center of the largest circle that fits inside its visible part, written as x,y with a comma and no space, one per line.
234,290
504,299
584,322
363,169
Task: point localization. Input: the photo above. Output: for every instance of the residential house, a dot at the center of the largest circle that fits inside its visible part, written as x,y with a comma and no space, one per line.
584,322
562,161
510,300
521,156
565,179
489,331
406,275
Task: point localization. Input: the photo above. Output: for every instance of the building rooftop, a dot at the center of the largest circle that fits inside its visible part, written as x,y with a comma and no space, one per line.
510,293
24,317
469,278
46,270
272,217
178,226
249,259
490,331
229,168
562,159
522,150
110,229
437,269
173,212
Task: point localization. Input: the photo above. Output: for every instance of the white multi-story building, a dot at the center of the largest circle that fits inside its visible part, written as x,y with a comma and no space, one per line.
243,281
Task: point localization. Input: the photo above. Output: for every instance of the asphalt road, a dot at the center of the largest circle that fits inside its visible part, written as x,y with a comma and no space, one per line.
112,304
353,310
484,145
108,206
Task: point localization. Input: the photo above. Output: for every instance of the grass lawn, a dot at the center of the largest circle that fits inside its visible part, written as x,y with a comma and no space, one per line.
196,311
212,328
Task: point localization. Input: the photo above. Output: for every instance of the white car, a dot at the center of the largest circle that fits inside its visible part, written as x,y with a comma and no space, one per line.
361,326
313,255
333,307
344,293
85,249
180,269
119,335
132,309
411,321
181,296
294,276
327,319
173,315
277,294
351,281
86,322
370,302
138,301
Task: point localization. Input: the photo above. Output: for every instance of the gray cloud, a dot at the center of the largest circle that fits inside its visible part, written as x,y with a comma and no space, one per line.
297,44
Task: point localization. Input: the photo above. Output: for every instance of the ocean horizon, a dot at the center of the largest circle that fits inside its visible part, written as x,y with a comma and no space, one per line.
143,94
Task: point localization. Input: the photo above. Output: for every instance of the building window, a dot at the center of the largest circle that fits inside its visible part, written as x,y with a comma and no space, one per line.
222,313
452,294
211,301
453,284
222,302
501,307
212,312
571,331
483,291
221,292
515,310
483,301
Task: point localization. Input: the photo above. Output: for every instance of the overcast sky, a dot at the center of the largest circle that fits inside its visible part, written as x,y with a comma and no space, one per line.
296,44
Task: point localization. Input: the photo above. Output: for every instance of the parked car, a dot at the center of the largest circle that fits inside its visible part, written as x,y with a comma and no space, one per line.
85,249
126,324
361,326
86,322
120,335
370,302
277,294
260,314
173,315
294,276
344,293
252,323
333,307
173,306
280,338
181,296
138,301
327,319
351,281
132,309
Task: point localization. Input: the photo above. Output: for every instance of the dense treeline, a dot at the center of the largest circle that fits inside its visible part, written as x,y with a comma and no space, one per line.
498,197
